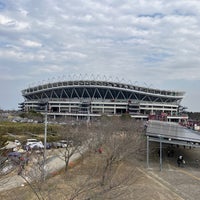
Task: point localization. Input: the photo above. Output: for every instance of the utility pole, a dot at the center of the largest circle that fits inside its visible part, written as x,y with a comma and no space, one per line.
45,140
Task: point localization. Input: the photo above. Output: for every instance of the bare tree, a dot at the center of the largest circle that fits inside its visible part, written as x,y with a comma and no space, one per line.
115,142
4,165
77,140
104,172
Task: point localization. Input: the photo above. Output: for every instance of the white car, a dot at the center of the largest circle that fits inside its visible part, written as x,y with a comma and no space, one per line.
31,141
37,145
63,143
17,143
34,144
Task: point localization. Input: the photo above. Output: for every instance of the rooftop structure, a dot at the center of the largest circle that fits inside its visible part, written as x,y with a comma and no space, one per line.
170,133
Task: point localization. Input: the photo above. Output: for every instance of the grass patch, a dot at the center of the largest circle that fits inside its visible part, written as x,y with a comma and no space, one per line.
21,131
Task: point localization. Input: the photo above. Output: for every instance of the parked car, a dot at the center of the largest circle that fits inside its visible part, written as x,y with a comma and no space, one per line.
48,145
63,143
33,144
14,157
31,141
17,143
56,145
14,154
36,145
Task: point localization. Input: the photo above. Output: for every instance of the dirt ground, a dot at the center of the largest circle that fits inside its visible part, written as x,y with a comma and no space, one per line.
170,183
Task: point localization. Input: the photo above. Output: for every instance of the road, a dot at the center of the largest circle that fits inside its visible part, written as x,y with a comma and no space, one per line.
54,163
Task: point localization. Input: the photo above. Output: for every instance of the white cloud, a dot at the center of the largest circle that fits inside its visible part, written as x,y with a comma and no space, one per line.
8,77
47,69
30,43
20,56
142,40
23,12
13,24
4,20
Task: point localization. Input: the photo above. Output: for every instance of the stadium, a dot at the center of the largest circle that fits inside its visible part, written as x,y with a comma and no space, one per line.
92,98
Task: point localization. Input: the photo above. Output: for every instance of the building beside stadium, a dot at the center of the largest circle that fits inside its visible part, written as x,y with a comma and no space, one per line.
94,98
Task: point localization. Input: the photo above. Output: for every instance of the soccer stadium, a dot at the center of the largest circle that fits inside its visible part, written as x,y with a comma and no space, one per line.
90,98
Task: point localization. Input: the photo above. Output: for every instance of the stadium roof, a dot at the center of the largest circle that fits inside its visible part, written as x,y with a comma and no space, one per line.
97,83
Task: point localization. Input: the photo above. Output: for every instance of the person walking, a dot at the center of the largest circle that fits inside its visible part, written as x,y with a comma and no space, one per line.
180,160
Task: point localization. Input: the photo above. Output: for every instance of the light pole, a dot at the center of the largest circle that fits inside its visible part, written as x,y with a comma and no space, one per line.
45,130
45,140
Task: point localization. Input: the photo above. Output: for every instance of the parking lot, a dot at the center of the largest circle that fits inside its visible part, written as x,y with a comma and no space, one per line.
16,156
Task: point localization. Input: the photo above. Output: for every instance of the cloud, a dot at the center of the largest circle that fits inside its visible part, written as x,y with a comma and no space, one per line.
4,20
30,43
47,69
20,56
13,24
8,77
143,40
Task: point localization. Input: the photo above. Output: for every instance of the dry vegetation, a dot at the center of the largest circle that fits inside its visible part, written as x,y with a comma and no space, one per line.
112,174
75,184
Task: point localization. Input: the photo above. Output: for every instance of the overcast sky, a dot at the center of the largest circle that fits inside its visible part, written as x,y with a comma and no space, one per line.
149,42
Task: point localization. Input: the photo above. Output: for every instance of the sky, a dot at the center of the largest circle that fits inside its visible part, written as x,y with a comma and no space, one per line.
153,43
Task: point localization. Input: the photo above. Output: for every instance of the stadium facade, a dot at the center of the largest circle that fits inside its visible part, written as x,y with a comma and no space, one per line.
93,98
